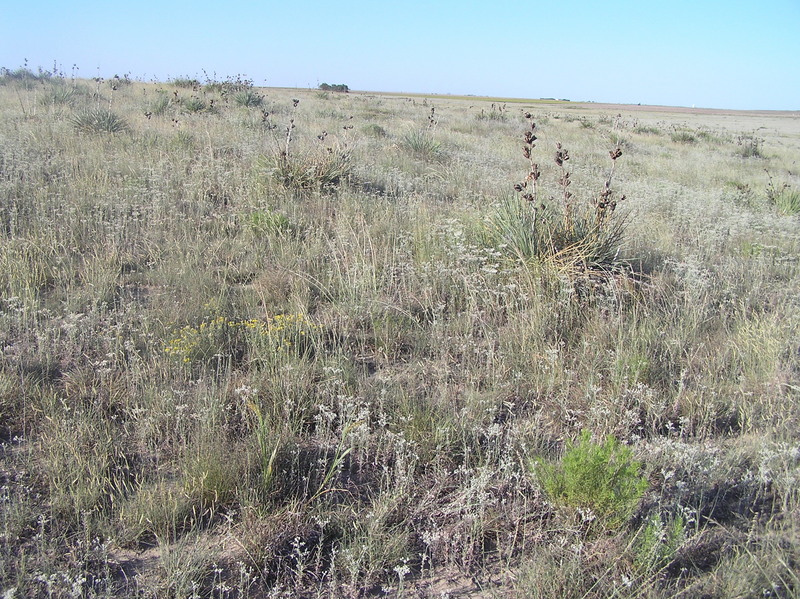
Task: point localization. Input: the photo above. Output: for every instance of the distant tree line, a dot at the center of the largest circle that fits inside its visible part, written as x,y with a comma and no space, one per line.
336,87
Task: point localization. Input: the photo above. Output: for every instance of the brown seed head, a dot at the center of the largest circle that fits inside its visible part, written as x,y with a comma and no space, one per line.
562,155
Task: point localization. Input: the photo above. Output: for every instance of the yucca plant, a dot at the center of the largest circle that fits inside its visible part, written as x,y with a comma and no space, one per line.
749,146
683,137
497,113
59,95
99,120
248,98
194,104
421,144
317,168
574,237
785,199
159,106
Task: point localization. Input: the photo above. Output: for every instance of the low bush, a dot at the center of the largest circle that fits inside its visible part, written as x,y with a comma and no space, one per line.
604,481
318,168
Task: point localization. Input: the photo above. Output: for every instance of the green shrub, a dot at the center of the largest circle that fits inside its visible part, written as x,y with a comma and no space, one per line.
24,76
221,337
229,85
99,120
602,478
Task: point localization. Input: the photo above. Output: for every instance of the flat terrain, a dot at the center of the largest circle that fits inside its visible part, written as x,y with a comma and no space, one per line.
285,343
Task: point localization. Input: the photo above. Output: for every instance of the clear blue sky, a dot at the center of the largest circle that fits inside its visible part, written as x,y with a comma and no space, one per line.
722,54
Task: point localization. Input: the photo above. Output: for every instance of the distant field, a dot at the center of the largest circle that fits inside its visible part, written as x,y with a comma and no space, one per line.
290,343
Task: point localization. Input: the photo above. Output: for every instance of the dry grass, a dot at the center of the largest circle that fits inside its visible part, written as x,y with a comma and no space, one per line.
226,372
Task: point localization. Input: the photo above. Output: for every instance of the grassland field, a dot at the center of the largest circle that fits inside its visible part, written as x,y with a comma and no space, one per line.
261,342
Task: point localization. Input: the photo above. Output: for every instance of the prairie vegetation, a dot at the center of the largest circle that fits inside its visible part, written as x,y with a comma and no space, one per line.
283,343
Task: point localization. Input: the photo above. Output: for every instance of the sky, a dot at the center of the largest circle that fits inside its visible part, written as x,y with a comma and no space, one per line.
705,53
